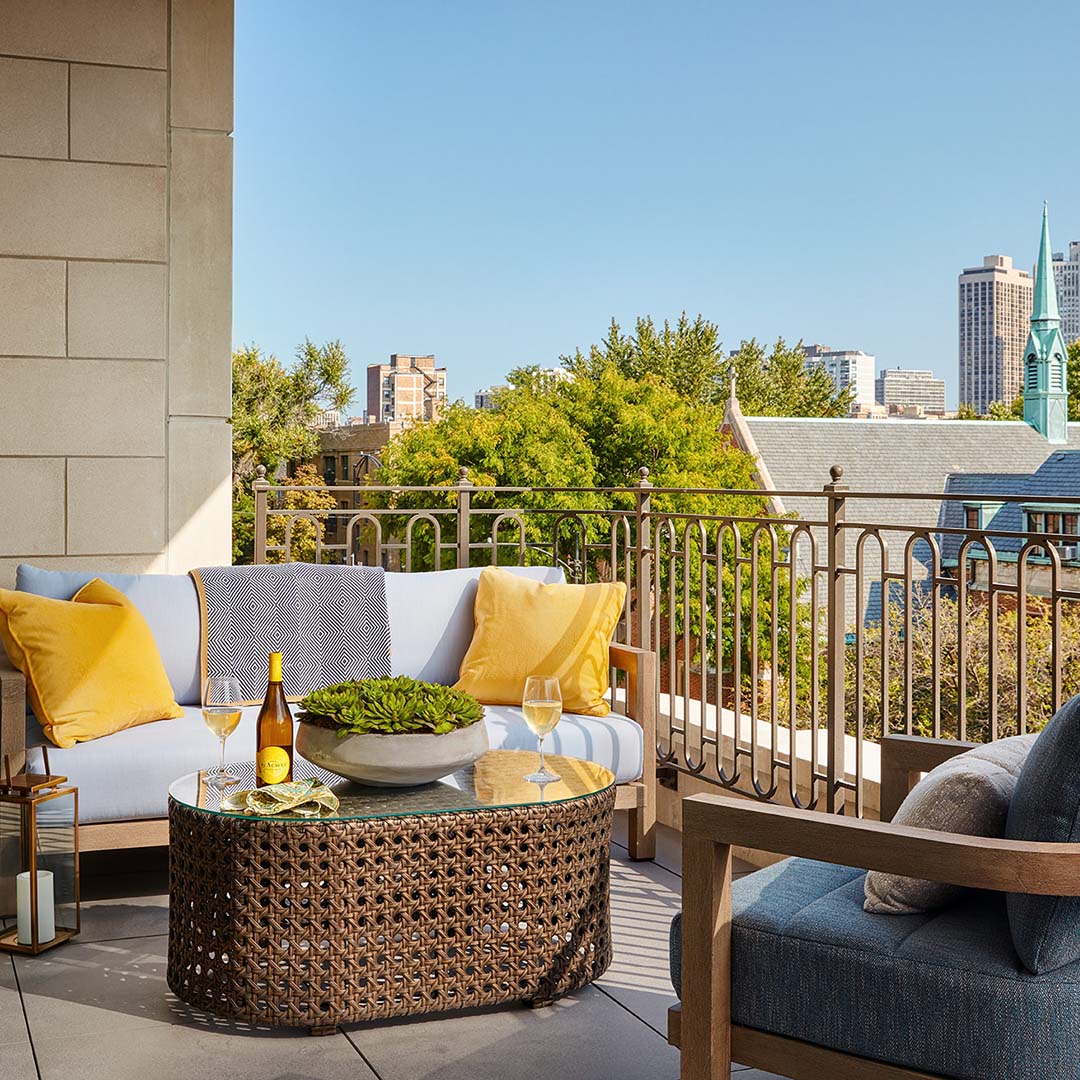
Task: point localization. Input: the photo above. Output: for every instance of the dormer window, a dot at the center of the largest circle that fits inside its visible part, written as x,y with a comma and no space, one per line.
1054,521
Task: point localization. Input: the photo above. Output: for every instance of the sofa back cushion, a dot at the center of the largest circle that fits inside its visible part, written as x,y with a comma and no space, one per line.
167,602
431,618
1046,808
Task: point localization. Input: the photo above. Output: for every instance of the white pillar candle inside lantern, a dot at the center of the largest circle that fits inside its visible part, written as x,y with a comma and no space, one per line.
46,918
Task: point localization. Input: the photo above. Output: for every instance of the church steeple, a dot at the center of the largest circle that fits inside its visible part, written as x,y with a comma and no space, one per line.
1045,307
1046,395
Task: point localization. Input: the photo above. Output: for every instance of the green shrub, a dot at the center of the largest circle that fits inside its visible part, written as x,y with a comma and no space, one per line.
397,706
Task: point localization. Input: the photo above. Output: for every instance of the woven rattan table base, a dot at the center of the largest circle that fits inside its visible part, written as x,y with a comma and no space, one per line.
317,923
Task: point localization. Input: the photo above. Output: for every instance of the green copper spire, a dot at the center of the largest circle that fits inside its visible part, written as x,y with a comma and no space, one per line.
1046,392
1045,307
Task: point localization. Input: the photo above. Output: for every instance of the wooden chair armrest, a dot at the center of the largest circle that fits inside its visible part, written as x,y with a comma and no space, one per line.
976,862
12,714
903,758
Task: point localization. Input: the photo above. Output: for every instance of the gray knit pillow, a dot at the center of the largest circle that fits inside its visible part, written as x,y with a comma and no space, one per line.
968,794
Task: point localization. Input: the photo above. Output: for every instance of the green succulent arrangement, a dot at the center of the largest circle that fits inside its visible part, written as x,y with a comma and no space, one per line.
396,706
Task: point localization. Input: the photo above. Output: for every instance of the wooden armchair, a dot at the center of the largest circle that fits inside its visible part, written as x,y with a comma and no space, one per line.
712,824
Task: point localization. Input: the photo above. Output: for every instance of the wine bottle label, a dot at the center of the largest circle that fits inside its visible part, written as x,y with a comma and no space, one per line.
272,764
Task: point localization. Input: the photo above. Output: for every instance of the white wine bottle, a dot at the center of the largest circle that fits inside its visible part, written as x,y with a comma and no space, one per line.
274,732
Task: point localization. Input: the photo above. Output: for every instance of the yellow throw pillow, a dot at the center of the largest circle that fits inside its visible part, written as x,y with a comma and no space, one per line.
524,628
91,664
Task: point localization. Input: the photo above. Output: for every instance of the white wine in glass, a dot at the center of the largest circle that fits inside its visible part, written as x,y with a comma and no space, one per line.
221,713
541,704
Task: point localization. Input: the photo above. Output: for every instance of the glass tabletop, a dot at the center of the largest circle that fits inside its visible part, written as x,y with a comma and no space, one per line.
495,780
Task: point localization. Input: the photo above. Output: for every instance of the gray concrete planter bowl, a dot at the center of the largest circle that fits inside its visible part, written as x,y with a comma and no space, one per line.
391,760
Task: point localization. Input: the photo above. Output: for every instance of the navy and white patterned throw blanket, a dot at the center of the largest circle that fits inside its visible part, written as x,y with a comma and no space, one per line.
330,624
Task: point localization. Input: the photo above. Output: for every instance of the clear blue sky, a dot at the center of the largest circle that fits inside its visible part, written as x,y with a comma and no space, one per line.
493,182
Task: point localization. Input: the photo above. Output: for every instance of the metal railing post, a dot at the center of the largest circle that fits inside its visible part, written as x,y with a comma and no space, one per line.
643,561
260,485
464,505
836,635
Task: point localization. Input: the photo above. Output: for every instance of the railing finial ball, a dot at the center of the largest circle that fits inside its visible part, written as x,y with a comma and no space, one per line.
463,473
643,472
836,472
260,472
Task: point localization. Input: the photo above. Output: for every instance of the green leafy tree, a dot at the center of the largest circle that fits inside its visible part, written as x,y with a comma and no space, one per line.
275,407
1000,411
304,530
524,442
780,384
1072,363
935,662
686,357
274,410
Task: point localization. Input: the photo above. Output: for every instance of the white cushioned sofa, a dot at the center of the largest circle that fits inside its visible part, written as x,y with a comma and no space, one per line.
123,778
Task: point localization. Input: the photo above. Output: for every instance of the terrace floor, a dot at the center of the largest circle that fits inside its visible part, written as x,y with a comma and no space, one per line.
98,1007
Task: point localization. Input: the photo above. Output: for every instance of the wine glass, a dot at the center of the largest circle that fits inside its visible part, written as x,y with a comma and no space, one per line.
541,703
221,711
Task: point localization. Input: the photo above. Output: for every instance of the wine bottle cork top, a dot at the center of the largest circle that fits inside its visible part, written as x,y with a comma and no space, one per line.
275,667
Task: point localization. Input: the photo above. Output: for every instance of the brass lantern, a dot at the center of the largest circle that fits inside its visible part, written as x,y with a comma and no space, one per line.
39,860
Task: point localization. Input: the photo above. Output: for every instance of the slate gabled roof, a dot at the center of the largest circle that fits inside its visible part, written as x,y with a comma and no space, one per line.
906,456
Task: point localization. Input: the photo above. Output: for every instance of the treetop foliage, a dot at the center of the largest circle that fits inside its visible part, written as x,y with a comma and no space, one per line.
274,406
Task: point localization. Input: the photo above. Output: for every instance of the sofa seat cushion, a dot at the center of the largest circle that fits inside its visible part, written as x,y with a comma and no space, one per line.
942,992
614,741
127,775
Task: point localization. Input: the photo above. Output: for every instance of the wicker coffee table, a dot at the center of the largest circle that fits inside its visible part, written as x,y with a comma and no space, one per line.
476,890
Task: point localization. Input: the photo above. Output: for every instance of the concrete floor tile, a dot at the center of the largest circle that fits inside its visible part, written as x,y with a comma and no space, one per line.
85,988
12,1021
17,1061
131,917
584,1037
182,1052
644,899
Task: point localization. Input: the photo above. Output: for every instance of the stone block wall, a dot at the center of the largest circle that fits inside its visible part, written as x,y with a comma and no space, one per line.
115,283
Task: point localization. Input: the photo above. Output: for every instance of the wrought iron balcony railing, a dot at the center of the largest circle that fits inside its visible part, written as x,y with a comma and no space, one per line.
779,634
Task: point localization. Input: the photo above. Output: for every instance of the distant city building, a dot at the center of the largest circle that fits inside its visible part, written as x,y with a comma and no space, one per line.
328,418
408,388
485,399
1067,278
902,387
846,367
546,377
995,309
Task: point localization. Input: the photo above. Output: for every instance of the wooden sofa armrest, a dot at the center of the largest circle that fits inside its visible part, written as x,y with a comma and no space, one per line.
641,700
904,758
12,714
976,862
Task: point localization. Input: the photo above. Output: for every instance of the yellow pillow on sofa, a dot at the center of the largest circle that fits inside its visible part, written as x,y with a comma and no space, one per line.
524,628
91,664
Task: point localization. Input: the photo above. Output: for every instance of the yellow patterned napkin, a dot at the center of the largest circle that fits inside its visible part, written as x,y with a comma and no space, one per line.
306,798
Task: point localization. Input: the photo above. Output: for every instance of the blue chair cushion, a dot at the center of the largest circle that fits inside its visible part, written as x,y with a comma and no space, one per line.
943,992
1046,807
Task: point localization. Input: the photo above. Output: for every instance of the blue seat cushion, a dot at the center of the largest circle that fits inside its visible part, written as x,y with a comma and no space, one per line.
1046,807
942,991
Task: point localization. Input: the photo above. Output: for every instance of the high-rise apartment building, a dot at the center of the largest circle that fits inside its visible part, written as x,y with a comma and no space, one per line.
846,367
995,313
1067,279
408,388
901,387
